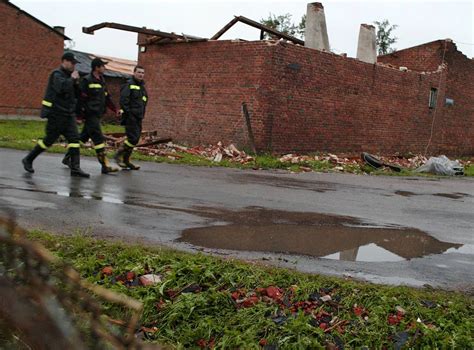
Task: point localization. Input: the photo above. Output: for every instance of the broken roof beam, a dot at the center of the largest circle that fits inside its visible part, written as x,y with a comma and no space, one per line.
257,25
225,28
92,29
184,38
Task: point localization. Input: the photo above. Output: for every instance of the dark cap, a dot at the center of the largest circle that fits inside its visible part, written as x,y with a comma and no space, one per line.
97,62
69,56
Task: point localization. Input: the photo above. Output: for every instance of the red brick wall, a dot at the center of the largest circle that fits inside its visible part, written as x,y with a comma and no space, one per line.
28,53
455,125
300,100
422,58
336,104
196,90
113,85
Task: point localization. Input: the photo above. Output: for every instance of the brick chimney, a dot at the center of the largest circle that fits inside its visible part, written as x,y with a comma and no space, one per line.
60,29
316,33
366,48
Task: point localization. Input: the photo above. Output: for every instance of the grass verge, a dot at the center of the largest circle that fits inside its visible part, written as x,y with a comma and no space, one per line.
205,302
19,134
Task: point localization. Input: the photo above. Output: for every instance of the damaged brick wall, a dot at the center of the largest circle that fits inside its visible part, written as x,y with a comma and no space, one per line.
28,53
300,100
455,126
327,102
453,129
196,90
421,58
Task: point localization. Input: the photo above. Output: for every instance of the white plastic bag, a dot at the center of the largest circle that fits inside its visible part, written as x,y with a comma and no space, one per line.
441,166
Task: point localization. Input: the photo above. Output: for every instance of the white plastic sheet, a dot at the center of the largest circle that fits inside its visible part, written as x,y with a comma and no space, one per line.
441,166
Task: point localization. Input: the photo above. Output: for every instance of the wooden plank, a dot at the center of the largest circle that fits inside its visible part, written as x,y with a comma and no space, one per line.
260,26
249,127
224,29
156,142
92,29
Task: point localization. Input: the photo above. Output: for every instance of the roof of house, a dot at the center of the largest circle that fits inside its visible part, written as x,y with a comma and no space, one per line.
35,19
116,67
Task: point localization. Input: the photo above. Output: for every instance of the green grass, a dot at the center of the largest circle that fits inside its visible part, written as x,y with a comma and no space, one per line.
19,134
433,319
469,170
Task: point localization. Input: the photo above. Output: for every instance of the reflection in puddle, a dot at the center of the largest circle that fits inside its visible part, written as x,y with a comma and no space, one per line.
317,235
75,194
456,195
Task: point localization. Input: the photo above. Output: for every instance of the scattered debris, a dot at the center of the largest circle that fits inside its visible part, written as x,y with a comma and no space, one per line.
428,303
149,279
400,310
377,163
400,340
441,166
154,145
326,298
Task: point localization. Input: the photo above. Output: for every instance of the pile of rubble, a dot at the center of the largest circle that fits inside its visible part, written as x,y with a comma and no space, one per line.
341,162
215,153
152,145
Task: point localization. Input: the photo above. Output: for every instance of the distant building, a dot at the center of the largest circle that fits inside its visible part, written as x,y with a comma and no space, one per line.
29,50
117,72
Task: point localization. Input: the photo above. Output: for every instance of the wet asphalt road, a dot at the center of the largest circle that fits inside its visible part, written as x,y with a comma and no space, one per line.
156,204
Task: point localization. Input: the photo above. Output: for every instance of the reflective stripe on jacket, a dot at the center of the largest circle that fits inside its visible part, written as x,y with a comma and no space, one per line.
61,94
133,98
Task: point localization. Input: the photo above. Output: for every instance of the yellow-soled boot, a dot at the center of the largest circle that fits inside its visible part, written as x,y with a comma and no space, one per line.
106,167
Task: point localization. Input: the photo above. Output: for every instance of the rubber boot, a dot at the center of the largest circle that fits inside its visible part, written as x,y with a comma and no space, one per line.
75,164
119,157
106,167
28,160
126,159
67,159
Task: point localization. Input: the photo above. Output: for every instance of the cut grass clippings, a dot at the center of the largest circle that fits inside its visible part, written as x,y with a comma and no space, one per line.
205,302
21,134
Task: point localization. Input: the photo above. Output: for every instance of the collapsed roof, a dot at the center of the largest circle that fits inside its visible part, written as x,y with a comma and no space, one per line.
158,37
115,68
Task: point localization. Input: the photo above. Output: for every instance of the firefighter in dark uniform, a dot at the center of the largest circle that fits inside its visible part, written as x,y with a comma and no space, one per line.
133,101
93,100
59,107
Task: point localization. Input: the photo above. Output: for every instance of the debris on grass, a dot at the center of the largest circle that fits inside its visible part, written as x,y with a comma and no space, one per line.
208,302
149,279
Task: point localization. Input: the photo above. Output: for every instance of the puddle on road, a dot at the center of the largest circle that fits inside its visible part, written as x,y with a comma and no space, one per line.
317,235
405,193
73,193
286,182
456,195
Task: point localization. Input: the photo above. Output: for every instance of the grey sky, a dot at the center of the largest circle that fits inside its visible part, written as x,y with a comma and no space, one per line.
419,21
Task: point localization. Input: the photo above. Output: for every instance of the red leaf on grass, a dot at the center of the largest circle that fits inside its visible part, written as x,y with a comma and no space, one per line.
250,301
274,292
394,319
107,270
358,310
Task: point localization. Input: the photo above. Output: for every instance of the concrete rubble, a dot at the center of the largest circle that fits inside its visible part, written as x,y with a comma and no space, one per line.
152,145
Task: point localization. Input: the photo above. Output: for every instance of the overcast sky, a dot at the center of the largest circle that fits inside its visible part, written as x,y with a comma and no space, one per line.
418,21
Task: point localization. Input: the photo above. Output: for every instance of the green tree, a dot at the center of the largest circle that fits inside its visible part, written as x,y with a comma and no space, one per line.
284,24
302,27
384,38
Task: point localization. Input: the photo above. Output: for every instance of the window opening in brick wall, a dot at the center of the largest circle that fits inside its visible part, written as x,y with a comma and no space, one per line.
433,97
